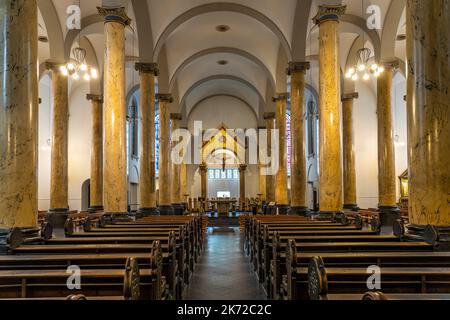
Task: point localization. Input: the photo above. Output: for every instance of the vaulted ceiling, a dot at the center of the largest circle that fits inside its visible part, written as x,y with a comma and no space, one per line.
233,47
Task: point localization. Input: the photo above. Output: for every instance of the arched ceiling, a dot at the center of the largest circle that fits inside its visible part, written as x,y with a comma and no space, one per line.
181,36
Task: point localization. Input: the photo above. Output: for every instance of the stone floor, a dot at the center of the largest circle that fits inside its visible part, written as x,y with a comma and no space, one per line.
223,271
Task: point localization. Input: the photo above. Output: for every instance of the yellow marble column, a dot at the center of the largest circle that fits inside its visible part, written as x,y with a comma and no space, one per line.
262,183
281,179
204,180
387,179
270,179
350,201
115,185
184,193
175,189
330,181
242,170
428,51
18,114
299,205
147,182
96,186
59,184
165,201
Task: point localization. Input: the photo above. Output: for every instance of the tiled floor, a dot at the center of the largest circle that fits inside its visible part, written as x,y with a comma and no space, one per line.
223,271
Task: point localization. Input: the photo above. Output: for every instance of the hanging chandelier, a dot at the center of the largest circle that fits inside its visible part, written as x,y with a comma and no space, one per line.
77,68
366,66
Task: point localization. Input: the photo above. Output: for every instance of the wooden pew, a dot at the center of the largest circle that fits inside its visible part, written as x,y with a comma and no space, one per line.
293,286
129,282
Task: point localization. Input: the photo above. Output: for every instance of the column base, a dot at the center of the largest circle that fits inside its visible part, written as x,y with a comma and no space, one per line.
352,207
178,209
388,215
299,211
283,209
146,212
95,209
57,217
166,210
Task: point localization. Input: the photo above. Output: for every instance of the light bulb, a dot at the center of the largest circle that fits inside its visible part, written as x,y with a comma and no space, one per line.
87,77
71,66
83,67
355,77
348,75
366,76
64,71
380,69
376,74
94,73
361,67
374,67
351,71
75,76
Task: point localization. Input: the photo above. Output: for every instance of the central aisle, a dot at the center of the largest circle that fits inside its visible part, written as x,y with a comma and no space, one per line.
223,271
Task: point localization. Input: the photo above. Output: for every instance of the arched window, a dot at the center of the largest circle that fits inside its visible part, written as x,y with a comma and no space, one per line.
132,130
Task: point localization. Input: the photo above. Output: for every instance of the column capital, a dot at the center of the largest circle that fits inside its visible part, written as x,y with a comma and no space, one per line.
269,115
281,97
203,167
295,66
114,14
329,13
350,96
164,97
53,66
390,65
94,97
242,167
147,68
176,116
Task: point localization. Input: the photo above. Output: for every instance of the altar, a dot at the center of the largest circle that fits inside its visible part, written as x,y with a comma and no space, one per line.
223,206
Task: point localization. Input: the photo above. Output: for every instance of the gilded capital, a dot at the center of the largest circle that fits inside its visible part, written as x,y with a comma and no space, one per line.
164,97
329,13
114,14
297,67
269,116
176,116
350,96
147,68
94,97
203,168
242,167
281,97
390,65
53,66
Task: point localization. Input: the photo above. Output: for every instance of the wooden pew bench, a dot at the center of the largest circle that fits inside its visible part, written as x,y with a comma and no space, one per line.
129,282
297,261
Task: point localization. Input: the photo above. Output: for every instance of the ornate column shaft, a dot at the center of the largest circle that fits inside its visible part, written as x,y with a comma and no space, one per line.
270,179
18,114
298,139
281,191
242,169
428,50
387,192
350,201
96,187
330,181
176,171
204,180
59,184
115,183
165,201
147,182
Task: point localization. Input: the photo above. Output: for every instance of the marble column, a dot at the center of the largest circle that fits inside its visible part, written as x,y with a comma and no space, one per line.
428,51
177,200
115,184
350,201
330,181
184,194
204,180
242,170
387,192
270,179
262,183
18,114
59,184
147,183
299,205
281,179
165,201
96,186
